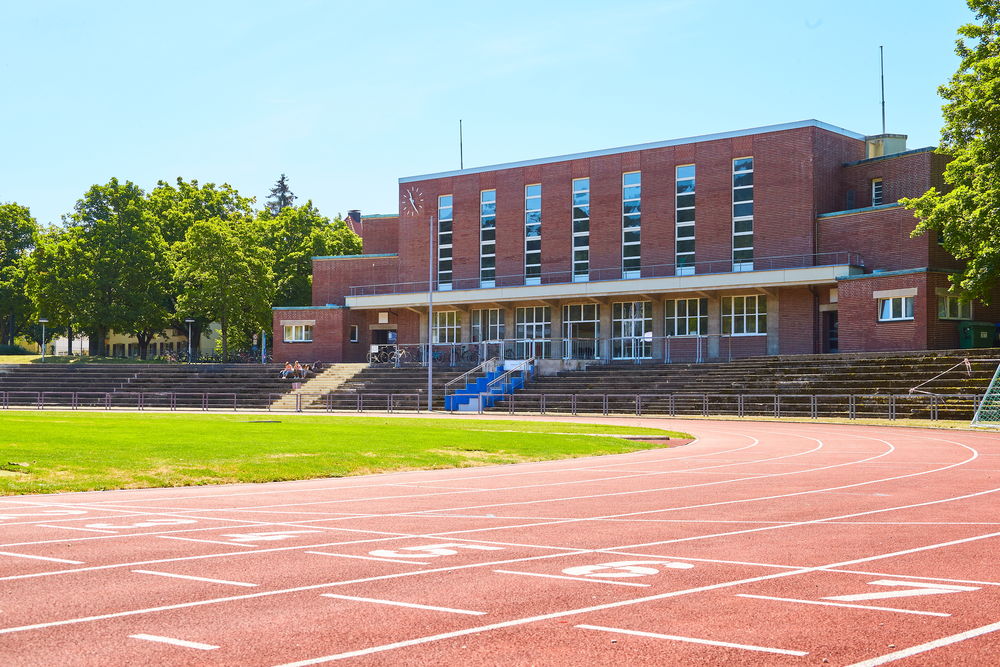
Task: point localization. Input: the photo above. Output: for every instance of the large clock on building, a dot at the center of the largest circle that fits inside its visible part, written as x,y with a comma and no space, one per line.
411,202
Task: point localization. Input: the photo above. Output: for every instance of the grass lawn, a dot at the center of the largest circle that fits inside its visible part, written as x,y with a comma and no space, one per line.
67,451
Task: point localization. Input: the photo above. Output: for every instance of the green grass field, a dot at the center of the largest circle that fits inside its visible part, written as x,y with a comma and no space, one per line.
67,451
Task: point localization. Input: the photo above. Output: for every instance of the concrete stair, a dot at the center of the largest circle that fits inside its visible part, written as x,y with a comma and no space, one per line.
314,389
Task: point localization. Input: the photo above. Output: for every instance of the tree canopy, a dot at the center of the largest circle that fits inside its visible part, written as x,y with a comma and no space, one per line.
18,233
281,196
967,215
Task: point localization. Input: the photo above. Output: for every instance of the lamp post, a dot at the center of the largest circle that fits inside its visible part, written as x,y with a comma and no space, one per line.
43,322
189,323
430,314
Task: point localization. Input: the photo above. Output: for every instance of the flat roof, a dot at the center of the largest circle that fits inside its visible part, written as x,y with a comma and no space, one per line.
640,147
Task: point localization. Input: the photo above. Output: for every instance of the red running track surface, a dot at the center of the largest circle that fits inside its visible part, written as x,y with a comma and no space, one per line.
762,543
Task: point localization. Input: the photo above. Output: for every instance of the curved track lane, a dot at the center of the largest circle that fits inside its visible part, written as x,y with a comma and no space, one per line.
766,543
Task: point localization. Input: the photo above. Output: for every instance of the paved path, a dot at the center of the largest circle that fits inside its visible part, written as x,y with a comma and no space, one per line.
760,543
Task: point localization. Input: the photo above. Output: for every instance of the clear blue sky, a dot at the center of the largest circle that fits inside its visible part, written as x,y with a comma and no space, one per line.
346,97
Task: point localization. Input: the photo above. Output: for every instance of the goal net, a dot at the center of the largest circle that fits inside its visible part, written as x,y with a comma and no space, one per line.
988,412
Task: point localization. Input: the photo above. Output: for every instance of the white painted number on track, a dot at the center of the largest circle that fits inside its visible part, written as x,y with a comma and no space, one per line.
268,537
149,523
625,568
45,513
913,588
429,550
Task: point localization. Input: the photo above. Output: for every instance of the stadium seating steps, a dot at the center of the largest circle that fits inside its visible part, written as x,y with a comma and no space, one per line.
796,378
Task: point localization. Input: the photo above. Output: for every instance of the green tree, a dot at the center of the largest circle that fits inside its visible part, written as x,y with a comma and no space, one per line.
223,274
18,231
967,216
54,279
177,207
123,264
281,196
294,237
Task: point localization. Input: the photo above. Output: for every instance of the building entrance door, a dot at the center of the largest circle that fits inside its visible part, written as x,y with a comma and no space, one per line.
830,333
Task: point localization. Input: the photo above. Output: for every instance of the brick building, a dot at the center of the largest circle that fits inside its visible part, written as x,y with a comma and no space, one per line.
784,239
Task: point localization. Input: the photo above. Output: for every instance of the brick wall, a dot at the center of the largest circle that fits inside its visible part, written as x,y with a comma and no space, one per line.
797,321
333,278
881,237
860,330
903,175
379,235
328,335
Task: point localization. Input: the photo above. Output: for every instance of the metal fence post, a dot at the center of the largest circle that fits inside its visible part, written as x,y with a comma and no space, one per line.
892,407
777,406
739,405
851,406
813,412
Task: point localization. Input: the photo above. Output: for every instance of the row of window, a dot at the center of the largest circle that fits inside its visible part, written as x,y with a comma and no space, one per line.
741,315
901,308
631,238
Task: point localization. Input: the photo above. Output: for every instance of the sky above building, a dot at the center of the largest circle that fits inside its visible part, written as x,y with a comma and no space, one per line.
346,97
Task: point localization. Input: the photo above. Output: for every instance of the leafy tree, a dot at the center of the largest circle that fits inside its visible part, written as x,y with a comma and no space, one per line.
18,231
122,264
968,215
281,196
223,274
54,278
177,207
294,237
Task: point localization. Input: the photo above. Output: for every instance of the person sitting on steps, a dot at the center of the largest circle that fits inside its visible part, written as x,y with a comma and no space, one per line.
286,372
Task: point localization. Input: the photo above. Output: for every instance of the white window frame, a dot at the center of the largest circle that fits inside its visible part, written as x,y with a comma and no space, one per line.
533,234
954,308
353,335
743,264
895,309
533,331
684,186
580,239
747,322
447,327
631,225
487,325
444,241
677,316
877,191
297,333
632,330
488,238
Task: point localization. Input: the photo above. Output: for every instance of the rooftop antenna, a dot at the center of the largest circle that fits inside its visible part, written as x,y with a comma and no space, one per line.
881,63
461,156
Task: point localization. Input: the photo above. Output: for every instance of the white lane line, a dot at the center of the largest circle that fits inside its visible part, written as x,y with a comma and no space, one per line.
694,640
192,539
89,530
391,560
929,646
175,642
185,576
842,604
560,576
54,560
405,604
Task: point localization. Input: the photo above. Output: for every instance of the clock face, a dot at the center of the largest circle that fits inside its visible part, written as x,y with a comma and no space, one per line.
411,202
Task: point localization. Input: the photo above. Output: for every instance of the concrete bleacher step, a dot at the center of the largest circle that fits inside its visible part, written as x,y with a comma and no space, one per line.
314,389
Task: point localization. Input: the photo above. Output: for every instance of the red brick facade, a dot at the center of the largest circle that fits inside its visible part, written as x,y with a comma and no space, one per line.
805,178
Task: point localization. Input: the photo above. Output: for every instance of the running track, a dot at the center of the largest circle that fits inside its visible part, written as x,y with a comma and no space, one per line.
759,543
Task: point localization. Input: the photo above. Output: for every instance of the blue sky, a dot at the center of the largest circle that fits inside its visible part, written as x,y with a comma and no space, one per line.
346,97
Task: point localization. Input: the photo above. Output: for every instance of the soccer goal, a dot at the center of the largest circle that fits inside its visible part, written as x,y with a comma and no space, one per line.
988,412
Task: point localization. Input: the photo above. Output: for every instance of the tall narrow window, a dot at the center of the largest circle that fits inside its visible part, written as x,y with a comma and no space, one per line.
684,221
444,242
487,238
743,214
581,229
876,192
533,234
631,219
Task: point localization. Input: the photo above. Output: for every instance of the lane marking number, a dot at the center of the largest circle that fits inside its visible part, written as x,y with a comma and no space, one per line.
626,568
914,588
430,550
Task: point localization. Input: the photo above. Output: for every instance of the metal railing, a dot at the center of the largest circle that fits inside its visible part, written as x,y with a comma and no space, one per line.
772,405
801,261
485,368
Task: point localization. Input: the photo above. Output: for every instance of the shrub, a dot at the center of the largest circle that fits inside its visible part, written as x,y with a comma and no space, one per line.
14,349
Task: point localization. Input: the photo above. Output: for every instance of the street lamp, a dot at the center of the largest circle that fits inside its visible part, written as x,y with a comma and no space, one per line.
189,323
43,322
